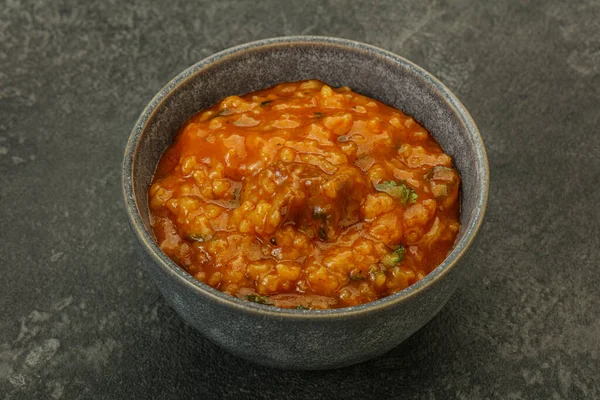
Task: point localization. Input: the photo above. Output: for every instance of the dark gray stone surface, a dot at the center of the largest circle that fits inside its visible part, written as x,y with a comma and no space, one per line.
78,315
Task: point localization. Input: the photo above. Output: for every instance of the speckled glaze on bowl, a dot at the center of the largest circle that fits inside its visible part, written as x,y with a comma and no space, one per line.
289,338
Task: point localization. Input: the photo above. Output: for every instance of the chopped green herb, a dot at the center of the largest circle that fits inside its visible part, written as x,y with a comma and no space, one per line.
400,191
319,114
392,259
265,103
259,299
301,308
413,197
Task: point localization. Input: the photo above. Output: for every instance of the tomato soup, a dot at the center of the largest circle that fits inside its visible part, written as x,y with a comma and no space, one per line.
305,196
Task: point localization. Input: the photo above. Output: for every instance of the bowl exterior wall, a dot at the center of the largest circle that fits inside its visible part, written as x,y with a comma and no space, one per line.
300,344
306,339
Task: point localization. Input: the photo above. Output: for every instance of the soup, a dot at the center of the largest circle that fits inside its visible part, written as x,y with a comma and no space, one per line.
305,196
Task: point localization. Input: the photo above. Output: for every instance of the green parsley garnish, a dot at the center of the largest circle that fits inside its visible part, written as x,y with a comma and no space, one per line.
301,308
259,299
400,191
392,259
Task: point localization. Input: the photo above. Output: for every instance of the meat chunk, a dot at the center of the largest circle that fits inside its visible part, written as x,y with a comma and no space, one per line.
319,204
444,184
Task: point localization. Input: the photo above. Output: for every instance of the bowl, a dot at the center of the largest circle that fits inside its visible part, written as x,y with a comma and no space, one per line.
290,338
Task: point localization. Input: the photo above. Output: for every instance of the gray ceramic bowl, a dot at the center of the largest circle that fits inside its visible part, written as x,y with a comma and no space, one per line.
289,338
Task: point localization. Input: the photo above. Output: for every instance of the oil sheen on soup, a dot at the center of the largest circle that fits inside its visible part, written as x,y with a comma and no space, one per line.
305,196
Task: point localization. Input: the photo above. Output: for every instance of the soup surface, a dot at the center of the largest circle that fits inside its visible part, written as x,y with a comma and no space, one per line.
305,196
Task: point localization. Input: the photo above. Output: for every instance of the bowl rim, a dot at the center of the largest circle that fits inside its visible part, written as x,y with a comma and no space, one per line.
184,278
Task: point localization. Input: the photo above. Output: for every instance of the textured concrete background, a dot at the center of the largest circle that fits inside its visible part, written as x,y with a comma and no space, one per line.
79,317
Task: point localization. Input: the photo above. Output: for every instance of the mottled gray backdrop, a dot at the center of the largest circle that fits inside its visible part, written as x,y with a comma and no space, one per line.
79,318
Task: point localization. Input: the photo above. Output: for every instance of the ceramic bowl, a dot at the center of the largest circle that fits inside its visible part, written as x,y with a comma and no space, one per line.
290,338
